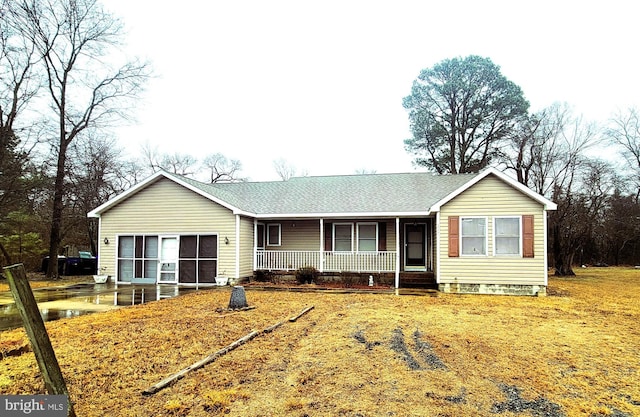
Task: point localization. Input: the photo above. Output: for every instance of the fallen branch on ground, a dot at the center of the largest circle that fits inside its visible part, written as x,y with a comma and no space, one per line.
180,374
162,384
273,327
292,319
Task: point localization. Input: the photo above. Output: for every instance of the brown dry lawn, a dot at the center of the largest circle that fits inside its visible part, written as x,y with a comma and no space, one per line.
572,353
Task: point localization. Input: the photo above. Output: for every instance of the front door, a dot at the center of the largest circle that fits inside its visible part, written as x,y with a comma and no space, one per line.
414,246
168,260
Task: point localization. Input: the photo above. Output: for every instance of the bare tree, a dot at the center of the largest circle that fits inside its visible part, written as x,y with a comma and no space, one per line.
548,154
624,133
178,163
284,169
217,166
93,179
75,39
221,168
619,234
130,171
151,158
545,148
364,171
581,210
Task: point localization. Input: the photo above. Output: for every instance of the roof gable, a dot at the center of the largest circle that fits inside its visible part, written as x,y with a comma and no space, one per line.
180,180
548,204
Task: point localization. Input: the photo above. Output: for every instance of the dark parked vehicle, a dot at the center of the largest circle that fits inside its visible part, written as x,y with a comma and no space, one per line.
82,264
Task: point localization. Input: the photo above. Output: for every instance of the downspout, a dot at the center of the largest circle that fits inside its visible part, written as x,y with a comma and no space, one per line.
237,275
397,252
321,245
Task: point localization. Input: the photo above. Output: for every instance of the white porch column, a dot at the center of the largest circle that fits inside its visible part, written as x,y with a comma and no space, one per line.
237,274
546,249
255,244
321,245
397,252
437,226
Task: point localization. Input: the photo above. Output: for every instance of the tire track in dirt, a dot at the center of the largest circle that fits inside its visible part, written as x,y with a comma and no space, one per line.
426,359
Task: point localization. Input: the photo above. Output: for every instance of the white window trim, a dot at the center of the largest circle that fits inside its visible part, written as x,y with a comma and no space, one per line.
357,242
333,236
486,237
495,237
268,242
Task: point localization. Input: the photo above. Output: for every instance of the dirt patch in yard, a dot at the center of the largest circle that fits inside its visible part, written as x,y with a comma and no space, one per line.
572,354
540,407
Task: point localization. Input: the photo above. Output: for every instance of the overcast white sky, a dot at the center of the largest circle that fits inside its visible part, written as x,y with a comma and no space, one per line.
320,83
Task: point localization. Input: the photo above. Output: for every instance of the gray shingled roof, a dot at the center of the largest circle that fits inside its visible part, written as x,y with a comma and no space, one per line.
349,194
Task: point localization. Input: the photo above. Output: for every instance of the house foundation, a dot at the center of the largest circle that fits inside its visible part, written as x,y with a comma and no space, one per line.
495,289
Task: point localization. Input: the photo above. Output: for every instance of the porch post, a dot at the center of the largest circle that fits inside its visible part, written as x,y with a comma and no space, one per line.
437,271
397,252
321,244
546,253
237,247
255,244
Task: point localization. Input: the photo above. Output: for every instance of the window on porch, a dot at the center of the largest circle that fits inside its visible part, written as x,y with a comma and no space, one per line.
273,235
367,237
342,234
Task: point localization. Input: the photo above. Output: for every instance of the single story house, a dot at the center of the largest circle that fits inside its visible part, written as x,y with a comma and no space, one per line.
475,233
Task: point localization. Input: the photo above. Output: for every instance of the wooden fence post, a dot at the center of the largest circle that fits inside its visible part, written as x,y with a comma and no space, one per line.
37,333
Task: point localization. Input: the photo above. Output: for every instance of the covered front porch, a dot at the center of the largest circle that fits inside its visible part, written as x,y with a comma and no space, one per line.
327,261
397,246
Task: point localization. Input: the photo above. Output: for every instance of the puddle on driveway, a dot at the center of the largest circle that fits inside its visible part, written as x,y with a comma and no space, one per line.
79,299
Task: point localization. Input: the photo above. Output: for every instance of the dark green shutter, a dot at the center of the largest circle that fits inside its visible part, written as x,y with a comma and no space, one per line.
382,236
328,228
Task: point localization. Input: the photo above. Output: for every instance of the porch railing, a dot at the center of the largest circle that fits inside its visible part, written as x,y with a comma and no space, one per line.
384,261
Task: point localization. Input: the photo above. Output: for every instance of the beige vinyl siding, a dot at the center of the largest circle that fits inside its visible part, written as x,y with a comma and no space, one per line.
297,235
304,235
492,198
166,208
391,234
246,247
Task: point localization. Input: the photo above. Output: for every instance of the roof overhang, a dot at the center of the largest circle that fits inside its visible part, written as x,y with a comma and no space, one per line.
548,204
349,215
